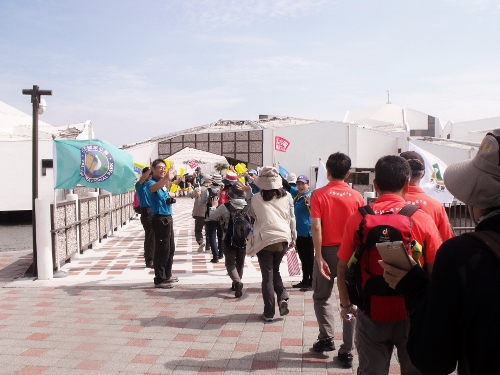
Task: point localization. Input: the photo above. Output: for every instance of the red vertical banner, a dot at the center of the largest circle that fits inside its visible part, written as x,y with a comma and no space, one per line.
281,144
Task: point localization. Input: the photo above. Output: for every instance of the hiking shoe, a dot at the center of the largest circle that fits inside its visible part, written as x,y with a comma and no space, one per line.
164,285
326,345
345,359
149,265
215,260
200,248
284,307
221,256
239,290
302,284
172,279
233,287
265,318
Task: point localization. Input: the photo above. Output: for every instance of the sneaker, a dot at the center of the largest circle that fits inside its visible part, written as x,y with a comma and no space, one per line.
326,345
284,307
200,248
149,265
233,287
221,256
299,285
265,318
306,288
172,279
164,285
345,359
239,290
216,260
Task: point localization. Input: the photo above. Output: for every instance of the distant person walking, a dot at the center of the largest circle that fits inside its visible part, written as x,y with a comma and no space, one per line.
417,196
273,233
199,211
214,227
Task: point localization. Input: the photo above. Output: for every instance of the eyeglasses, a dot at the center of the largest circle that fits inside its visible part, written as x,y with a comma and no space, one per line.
161,168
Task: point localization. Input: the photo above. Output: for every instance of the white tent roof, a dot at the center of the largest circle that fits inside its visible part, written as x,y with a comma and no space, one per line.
187,154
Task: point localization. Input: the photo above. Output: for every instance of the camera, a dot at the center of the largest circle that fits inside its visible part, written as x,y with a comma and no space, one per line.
170,200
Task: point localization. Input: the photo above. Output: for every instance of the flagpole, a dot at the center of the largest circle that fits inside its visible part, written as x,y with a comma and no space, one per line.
274,147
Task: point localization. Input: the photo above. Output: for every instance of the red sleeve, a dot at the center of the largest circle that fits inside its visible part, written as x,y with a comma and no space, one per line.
427,234
347,246
315,206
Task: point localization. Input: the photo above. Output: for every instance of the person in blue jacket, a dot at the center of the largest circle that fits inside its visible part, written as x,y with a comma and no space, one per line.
304,244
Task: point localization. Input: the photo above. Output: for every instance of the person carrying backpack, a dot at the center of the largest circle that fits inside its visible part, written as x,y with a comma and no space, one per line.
237,227
213,227
381,315
454,315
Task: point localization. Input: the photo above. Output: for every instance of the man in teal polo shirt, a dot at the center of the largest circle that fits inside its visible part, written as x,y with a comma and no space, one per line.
163,227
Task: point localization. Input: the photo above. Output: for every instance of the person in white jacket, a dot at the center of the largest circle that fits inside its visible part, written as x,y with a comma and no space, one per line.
273,233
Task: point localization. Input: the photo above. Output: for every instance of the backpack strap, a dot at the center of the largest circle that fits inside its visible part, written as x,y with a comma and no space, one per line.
366,210
409,210
488,238
230,207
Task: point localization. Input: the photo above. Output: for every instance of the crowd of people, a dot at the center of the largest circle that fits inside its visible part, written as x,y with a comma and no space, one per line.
438,313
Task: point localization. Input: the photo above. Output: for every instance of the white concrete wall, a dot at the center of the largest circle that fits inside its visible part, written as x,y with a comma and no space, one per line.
473,131
308,143
372,145
142,153
16,156
416,120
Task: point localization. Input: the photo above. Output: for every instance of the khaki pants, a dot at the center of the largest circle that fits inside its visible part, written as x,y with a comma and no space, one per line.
323,306
375,342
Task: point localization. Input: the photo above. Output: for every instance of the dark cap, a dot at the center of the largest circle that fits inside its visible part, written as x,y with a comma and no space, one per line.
235,192
415,160
303,179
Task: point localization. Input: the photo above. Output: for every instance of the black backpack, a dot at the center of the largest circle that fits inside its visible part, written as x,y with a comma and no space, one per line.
211,194
239,227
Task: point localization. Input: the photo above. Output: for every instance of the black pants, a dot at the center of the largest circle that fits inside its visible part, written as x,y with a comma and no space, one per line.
305,249
215,234
163,227
149,236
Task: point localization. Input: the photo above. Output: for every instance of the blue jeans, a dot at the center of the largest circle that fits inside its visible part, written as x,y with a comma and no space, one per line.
214,229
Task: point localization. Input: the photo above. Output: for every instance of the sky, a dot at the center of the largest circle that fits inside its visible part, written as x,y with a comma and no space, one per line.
140,69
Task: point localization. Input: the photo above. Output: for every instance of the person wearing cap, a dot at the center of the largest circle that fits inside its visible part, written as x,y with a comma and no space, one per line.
146,218
199,211
290,184
214,227
304,245
273,233
331,206
234,258
417,196
454,315
386,325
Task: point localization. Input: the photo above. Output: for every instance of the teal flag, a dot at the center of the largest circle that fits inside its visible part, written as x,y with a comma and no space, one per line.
92,163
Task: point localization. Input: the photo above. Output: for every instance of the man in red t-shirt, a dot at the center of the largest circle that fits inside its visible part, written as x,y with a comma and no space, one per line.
417,196
330,207
375,340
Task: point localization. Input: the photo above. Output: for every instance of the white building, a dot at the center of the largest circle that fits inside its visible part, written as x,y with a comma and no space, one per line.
16,156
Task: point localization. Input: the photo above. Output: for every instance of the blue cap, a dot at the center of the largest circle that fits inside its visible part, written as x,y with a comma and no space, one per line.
252,171
303,179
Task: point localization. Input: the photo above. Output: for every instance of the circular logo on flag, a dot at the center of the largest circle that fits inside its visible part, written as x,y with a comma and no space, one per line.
97,164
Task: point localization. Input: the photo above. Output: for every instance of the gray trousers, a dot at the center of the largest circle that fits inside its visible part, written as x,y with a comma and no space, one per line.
323,306
375,342
235,261
269,262
199,223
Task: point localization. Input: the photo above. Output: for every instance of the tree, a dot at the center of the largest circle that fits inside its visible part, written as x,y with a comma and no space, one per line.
219,167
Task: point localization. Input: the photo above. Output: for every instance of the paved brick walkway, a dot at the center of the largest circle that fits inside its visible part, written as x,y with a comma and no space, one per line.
106,318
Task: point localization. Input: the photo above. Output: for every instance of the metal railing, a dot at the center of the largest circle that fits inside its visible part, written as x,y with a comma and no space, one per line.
79,224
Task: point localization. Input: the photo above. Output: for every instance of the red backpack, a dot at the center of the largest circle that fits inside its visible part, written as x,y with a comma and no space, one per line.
365,284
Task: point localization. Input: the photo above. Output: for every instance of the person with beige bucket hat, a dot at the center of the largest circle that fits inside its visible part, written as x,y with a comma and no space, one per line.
454,316
273,233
